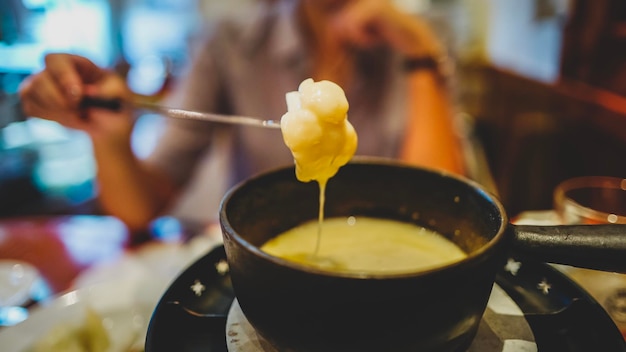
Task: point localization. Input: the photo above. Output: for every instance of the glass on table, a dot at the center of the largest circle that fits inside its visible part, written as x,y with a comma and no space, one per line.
591,200
596,200
17,279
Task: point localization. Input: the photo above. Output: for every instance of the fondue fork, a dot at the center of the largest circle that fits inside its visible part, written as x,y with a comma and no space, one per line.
138,103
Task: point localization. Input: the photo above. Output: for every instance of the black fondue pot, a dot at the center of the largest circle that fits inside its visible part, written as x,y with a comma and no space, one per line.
300,308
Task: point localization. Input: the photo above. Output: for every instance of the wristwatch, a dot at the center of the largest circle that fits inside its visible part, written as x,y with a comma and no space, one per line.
442,66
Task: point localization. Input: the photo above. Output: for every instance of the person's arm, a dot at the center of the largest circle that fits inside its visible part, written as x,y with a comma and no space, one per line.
127,189
431,139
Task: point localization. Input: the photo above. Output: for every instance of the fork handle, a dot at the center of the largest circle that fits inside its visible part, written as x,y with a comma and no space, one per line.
113,104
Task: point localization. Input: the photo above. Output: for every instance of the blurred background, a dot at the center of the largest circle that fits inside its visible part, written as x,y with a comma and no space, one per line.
543,82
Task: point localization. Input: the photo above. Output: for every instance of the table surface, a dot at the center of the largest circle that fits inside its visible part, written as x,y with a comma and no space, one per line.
61,247
64,247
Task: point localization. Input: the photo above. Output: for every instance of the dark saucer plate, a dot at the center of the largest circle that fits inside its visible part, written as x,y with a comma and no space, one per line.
560,314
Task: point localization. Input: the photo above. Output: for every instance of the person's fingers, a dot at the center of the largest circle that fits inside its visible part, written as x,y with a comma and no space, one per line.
55,92
71,72
40,91
41,97
90,72
116,125
41,108
372,22
111,86
358,23
63,71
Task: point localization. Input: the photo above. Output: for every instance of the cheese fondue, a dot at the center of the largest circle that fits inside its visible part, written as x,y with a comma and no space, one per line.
321,139
365,245
317,131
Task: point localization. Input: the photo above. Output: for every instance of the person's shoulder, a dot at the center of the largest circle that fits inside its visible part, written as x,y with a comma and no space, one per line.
245,30
221,35
241,23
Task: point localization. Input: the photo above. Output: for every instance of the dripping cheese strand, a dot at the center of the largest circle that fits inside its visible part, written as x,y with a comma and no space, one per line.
317,131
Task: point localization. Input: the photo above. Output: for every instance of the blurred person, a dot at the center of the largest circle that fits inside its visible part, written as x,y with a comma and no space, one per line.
386,60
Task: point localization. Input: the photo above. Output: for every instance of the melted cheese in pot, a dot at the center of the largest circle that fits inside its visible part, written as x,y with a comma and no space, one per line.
365,245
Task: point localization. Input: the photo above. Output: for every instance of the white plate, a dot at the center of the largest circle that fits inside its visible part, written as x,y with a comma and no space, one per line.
125,315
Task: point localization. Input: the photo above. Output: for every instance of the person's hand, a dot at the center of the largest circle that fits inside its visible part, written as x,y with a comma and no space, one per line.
55,94
367,23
